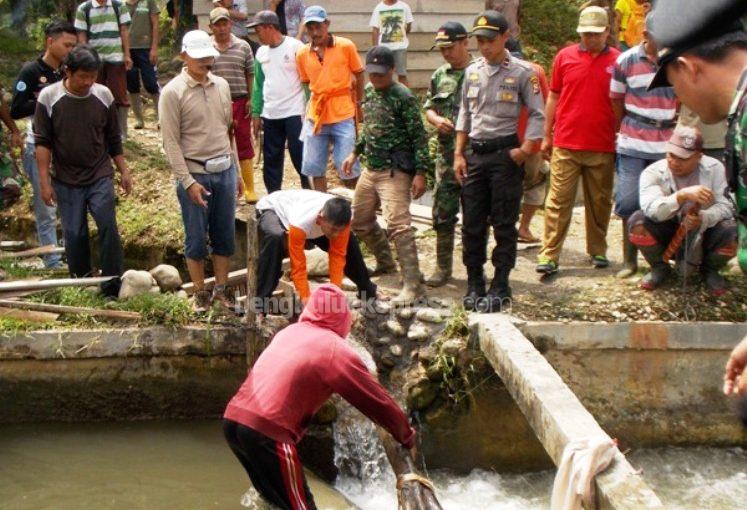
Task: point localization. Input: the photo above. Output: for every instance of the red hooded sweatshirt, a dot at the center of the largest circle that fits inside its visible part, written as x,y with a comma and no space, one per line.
303,366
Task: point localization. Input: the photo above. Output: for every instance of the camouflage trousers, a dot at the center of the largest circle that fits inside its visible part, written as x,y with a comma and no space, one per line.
446,195
10,183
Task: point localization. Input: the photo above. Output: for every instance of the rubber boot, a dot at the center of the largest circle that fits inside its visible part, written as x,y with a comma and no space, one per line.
475,296
444,259
247,175
122,117
630,255
499,293
660,270
136,102
407,254
156,98
378,244
713,281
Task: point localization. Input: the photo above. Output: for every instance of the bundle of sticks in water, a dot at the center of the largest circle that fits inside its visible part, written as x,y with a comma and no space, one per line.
414,491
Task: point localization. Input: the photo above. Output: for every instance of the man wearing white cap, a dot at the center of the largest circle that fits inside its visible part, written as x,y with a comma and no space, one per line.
197,128
670,190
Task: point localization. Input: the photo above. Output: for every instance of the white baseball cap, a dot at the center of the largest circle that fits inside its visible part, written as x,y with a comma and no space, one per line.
197,44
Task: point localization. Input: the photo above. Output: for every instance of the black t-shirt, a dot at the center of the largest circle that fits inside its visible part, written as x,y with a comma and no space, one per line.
34,76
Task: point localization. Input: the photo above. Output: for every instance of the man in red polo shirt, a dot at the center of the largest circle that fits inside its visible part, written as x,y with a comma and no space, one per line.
580,136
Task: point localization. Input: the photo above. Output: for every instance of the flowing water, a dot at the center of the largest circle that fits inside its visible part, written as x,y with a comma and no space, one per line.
186,465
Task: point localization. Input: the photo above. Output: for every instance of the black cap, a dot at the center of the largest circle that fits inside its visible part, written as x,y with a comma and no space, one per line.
449,33
490,24
379,60
680,25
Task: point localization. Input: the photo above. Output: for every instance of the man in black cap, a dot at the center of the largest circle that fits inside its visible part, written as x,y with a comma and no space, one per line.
441,110
488,158
393,146
704,57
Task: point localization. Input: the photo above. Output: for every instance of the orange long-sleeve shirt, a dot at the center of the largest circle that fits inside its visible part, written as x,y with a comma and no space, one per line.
338,248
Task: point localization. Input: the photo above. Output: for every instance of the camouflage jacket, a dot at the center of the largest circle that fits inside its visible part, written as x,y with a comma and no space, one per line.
392,135
443,97
736,143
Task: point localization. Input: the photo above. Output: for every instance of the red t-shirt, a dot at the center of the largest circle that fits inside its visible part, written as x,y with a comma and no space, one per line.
584,119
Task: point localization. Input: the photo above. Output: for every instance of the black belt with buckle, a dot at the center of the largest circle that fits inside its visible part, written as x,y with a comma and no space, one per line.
493,145
659,124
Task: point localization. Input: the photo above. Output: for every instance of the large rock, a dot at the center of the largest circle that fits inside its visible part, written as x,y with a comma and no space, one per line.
317,263
135,283
167,277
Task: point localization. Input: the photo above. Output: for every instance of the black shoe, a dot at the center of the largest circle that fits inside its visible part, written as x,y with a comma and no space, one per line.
714,282
499,294
473,299
658,275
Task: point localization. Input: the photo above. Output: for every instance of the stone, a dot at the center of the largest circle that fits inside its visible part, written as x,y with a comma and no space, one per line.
182,294
406,313
317,262
167,277
453,347
326,414
93,289
433,373
421,395
418,333
428,354
347,284
387,360
395,328
384,340
429,315
396,350
155,289
135,283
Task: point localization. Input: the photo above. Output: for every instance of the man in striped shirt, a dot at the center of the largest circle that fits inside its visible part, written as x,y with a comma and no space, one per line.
645,120
104,24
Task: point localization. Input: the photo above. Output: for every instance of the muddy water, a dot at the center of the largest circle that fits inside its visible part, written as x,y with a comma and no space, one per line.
186,465
136,466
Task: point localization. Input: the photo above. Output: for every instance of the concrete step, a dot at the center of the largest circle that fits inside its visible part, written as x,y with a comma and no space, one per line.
418,41
335,7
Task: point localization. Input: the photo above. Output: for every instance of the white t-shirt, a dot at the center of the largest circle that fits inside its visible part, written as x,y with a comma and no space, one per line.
298,208
392,20
282,90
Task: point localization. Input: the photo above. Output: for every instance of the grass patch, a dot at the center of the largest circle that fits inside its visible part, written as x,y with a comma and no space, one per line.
14,271
156,309
13,327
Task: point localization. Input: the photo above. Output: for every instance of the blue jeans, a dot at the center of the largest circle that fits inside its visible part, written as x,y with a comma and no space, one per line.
74,203
316,148
46,231
141,67
217,221
277,131
627,193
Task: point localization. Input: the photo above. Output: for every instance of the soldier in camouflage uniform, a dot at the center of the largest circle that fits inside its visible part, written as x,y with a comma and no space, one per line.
703,45
442,108
393,146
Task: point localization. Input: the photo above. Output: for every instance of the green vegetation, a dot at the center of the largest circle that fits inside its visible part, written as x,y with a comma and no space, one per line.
546,27
156,309
13,270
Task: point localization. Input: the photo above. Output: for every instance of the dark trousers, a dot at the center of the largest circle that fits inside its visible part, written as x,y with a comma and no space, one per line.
273,248
718,236
277,131
273,467
74,203
141,67
491,193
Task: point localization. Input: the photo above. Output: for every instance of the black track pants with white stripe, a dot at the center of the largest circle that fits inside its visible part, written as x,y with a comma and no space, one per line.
273,467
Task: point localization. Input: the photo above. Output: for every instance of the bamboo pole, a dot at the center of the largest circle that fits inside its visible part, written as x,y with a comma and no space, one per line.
35,285
253,350
71,310
33,252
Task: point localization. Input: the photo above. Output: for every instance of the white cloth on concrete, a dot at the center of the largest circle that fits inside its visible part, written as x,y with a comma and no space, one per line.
582,460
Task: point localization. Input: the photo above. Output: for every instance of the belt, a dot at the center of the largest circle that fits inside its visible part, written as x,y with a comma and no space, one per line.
244,96
660,124
494,144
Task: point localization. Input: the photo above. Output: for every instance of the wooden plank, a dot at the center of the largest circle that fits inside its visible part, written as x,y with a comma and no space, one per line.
11,245
27,315
36,285
33,252
71,310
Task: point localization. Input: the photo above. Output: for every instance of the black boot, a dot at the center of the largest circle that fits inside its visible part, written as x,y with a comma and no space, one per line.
714,282
475,289
499,294
660,270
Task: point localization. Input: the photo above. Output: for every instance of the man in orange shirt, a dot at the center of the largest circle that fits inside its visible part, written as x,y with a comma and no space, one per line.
287,219
329,65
